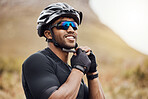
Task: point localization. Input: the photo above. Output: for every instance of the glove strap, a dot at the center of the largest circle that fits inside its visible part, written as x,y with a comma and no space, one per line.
91,77
80,68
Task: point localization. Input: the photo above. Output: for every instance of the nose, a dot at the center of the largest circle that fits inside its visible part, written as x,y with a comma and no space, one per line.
70,29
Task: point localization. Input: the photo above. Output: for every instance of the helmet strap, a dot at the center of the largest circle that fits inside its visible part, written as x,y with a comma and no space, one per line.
53,39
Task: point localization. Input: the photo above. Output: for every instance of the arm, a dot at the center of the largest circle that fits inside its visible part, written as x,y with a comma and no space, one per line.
95,88
70,88
94,85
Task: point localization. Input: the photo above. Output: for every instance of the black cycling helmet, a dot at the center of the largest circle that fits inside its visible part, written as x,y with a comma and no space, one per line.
53,12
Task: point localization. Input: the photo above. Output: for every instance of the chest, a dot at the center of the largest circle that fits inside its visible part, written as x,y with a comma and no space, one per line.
62,72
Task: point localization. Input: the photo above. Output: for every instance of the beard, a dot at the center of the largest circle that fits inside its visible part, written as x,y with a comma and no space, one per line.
65,44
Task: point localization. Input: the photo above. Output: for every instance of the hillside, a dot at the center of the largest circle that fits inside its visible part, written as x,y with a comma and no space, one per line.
19,39
19,24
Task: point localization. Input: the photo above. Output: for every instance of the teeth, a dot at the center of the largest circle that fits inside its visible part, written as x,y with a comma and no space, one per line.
70,37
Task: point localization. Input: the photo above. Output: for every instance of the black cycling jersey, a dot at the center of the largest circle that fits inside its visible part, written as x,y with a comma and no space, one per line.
43,73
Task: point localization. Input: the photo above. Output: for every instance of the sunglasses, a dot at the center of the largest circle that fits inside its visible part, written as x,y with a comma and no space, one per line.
65,25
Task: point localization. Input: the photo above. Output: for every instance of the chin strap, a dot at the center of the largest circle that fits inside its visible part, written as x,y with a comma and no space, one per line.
53,39
57,45
70,50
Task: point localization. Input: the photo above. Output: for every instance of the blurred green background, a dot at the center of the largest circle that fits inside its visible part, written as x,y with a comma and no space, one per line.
123,71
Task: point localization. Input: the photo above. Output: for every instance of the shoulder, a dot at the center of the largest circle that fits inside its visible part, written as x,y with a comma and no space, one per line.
36,57
37,60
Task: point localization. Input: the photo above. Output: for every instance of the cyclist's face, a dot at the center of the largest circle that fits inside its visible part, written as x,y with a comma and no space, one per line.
65,38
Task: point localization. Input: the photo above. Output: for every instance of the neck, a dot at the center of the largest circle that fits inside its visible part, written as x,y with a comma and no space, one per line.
61,54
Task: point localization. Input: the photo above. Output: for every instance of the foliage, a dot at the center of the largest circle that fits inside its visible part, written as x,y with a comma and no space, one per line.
132,85
10,79
9,65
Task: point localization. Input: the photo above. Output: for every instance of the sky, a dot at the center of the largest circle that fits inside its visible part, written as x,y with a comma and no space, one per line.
127,18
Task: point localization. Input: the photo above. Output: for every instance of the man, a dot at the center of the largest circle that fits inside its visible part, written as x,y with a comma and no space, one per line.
46,74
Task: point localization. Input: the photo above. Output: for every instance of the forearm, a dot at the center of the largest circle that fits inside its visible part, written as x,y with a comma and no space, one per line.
70,88
95,89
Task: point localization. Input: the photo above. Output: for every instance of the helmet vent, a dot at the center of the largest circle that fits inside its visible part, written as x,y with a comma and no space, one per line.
43,17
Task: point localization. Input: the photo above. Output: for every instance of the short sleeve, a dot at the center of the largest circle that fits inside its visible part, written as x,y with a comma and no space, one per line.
39,73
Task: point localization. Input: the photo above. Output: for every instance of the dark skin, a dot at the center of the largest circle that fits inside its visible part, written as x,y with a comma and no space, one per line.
66,91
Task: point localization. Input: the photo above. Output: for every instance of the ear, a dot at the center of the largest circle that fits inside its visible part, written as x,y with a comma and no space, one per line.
47,34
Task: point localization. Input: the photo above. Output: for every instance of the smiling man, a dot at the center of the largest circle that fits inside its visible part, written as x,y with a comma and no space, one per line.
46,74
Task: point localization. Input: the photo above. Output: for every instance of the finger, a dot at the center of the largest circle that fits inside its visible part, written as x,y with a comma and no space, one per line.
85,48
78,51
88,53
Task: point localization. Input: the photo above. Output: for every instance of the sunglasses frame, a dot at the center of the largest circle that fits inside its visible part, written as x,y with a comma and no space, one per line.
65,27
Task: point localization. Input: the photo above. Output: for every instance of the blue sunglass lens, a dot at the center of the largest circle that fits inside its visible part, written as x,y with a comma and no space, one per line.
65,25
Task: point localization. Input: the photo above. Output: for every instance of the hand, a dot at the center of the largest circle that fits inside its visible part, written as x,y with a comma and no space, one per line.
93,67
81,61
88,51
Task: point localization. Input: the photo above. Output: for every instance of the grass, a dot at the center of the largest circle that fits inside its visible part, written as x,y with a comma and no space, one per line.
130,83
10,79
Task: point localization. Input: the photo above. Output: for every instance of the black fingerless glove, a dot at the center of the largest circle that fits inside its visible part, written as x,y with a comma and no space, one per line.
81,61
93,67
